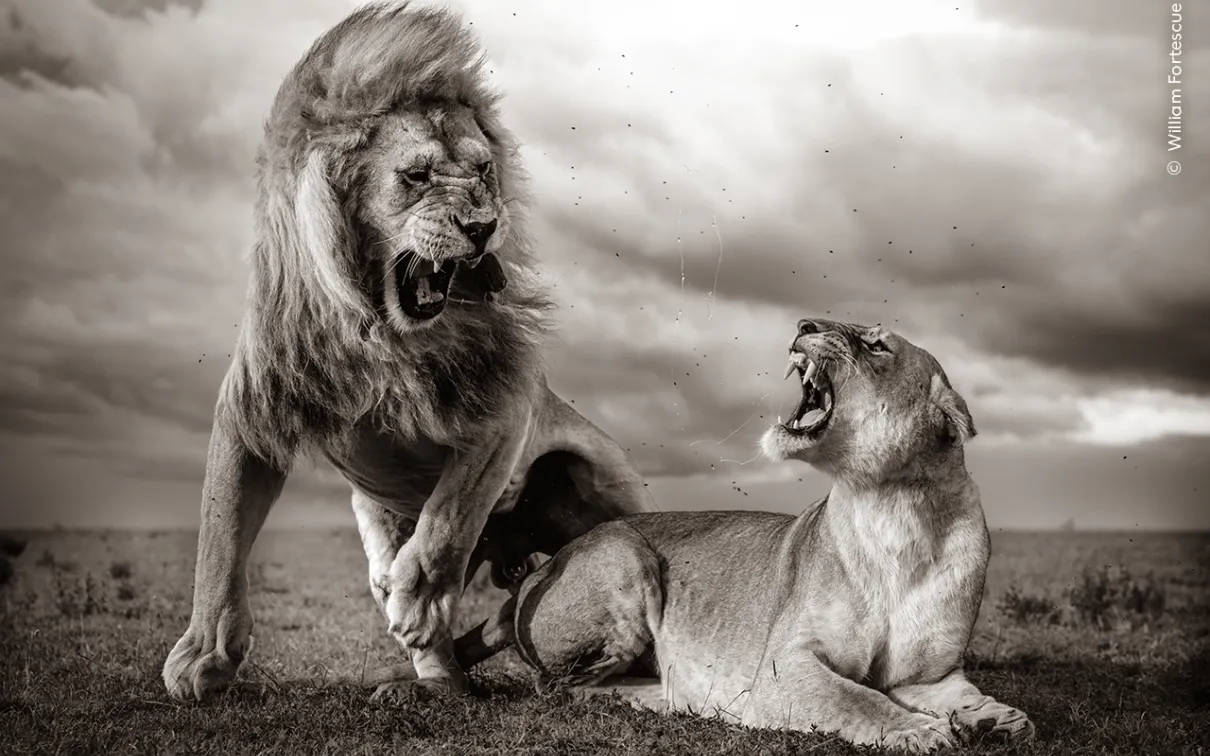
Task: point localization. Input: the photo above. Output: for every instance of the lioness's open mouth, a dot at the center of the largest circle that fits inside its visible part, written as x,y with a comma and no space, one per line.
815,407
423,287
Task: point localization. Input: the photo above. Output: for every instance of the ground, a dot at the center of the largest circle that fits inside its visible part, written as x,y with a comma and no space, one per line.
1102,638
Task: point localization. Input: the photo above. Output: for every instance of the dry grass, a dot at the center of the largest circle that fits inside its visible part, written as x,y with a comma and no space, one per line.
86,619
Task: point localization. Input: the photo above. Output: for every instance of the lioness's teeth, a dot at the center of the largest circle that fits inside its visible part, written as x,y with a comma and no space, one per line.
827,400
812,368
789,369
779,419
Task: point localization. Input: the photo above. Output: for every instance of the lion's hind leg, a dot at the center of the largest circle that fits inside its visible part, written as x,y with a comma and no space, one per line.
591,611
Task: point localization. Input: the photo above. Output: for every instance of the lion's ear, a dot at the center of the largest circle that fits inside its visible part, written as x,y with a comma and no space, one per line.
959,425
323,233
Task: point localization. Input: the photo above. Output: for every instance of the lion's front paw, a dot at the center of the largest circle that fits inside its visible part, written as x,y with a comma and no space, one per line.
400,692
204,662
925,734
988,719
420,607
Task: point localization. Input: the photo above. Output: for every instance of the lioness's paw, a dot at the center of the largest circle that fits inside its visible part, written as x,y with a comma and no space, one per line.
401,692
927,735
988,719
202,664
420,607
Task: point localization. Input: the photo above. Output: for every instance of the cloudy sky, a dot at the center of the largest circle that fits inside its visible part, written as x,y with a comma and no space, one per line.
988,178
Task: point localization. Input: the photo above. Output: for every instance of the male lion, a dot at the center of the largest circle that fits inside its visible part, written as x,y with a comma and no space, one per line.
394,325
851,617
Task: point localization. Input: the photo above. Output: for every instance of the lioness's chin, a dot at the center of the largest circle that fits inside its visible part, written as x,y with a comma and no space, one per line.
781,442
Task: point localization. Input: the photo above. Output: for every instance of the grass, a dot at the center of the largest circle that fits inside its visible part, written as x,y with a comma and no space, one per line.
1102,639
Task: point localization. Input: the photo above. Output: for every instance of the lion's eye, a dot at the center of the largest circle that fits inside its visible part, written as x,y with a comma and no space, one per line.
415,175
485,168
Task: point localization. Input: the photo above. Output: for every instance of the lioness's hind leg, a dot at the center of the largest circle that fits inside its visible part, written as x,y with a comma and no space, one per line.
592,609
639,692
972,713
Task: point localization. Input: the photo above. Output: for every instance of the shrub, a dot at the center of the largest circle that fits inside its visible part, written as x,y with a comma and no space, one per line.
79,597
1024,608
1100,597
1104,595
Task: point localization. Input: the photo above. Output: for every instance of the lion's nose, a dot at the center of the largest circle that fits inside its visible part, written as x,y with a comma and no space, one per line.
478,232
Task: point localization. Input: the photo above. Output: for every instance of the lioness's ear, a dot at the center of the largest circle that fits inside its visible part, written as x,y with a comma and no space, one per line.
958,421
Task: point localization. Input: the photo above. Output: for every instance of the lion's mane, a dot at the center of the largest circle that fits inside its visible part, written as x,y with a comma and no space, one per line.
314,357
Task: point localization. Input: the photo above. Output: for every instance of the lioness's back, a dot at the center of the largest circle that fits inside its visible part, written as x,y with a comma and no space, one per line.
707,563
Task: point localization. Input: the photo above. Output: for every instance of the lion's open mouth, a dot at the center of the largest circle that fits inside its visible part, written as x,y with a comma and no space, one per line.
815,407
423,287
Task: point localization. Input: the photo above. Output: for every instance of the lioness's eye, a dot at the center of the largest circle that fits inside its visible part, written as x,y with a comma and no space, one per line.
485,168
877,346
416,175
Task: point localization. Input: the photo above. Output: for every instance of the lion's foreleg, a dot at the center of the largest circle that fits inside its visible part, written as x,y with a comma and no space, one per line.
383,533
426,576
953,697
238,491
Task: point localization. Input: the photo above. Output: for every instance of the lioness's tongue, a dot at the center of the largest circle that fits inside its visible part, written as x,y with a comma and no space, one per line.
809,419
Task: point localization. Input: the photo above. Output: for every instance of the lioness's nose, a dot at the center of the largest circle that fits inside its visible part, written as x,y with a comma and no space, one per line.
477,232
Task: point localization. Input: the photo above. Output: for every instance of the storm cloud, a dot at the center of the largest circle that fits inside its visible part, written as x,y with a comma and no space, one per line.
989,180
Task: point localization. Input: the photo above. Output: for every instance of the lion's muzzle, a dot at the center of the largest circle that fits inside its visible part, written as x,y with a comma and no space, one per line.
423,286
478,233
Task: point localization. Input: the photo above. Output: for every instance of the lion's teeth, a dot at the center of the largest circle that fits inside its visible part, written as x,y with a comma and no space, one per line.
425,295
426,268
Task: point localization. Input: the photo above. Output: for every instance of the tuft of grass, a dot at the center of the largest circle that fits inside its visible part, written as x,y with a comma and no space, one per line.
120,570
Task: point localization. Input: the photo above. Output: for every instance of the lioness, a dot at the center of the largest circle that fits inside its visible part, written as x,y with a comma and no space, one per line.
851,617
395,326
